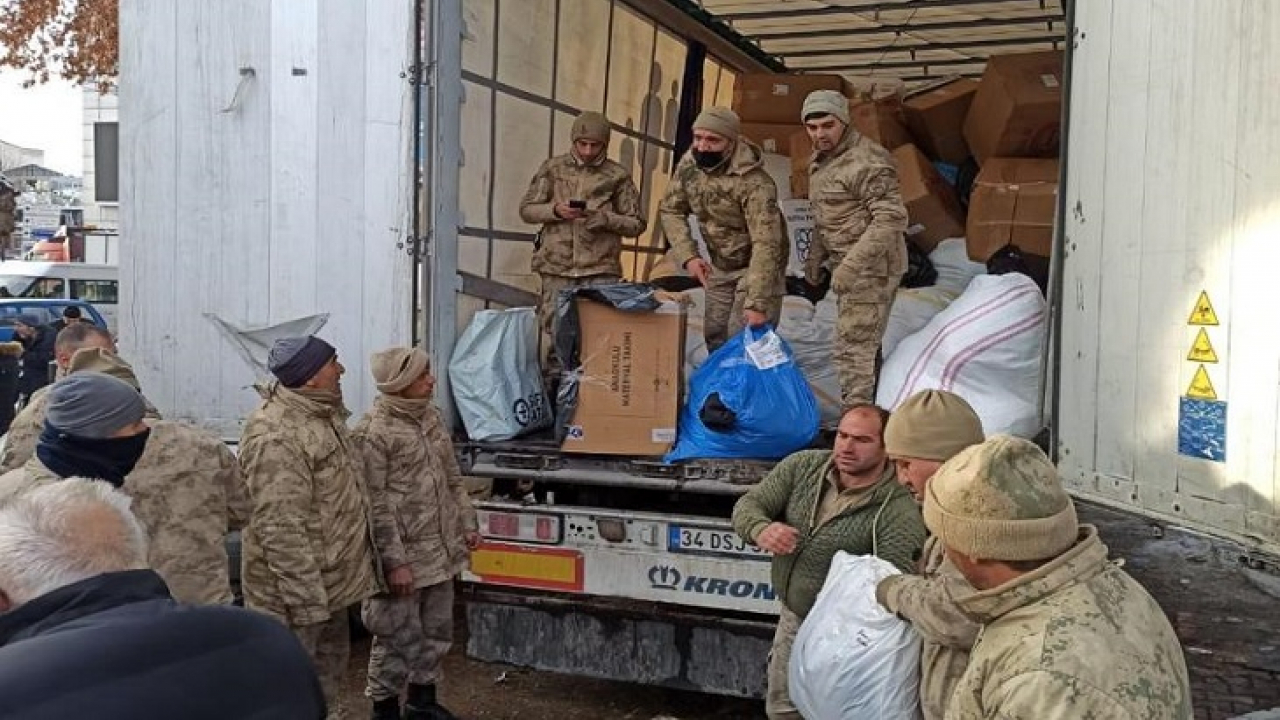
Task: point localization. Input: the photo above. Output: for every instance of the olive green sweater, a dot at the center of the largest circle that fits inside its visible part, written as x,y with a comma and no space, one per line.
790,494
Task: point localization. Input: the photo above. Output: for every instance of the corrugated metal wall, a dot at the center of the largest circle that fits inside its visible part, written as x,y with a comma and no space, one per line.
264,178
1173,190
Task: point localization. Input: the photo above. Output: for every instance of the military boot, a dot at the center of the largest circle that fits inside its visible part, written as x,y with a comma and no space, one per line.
421,705
388,709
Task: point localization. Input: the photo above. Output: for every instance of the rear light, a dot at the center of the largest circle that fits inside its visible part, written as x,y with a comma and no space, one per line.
522,527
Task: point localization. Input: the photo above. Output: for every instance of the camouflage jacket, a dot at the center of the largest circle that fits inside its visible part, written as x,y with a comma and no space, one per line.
858,215
188,494
590,245
24,431
307,551
925,600
737,211
1077,638
17,481
420,507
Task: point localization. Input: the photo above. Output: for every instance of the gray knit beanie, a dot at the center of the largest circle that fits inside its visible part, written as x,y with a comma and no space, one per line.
93,405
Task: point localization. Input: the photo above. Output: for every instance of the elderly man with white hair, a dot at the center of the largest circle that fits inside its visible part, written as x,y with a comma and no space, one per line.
87,631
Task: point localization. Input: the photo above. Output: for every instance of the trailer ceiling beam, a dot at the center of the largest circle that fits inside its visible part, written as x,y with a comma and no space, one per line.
896,65
875,7
899,28
1055,38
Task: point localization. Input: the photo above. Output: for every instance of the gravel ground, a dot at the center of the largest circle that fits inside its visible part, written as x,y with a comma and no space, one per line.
474,690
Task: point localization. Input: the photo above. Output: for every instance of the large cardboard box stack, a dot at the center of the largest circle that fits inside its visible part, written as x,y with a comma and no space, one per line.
776,98
772,138
936,116
933,211
1014,202
630,392
1016,111
880,121
801,151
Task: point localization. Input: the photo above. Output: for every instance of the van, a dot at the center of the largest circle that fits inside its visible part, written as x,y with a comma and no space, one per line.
95,284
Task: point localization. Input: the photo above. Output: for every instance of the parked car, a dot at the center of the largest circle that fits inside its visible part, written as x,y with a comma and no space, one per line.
46,311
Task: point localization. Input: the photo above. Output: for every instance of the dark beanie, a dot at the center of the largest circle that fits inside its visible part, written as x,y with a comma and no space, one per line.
93,405
295,360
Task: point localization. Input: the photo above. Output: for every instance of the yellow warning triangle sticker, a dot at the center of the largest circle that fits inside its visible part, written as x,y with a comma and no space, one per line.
1201,387
1202,350
1203,313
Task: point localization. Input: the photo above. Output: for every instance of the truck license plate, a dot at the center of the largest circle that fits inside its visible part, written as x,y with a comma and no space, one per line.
710,541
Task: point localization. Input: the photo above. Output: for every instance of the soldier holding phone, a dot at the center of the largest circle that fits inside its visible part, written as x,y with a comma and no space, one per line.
585,203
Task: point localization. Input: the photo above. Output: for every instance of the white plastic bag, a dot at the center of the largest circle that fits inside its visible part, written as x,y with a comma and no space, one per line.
810,329
986,347
495,377
852,658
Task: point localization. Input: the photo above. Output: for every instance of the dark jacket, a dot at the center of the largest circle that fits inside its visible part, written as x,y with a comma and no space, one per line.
117,646
37,353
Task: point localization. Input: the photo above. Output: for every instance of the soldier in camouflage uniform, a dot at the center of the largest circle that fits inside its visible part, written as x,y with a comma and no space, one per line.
1066,633
423,525
723,183
928,429
186,491
858,226
94,429
26,427
580,246
307,551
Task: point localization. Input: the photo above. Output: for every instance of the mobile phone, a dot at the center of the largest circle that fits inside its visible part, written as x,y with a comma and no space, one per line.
578,204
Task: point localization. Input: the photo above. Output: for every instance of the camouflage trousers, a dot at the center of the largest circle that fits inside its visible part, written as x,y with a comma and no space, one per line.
726,293
777,698
329,645
861,319
550,293
411,636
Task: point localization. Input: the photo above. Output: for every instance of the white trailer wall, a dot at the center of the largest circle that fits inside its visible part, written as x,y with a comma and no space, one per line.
265,178
1173,189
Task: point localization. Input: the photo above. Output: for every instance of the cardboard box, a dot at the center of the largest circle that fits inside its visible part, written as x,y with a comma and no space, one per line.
799,184
629,396
1017,109
881,122
772,138
777,98
933,210
801,152
1014,201
936,117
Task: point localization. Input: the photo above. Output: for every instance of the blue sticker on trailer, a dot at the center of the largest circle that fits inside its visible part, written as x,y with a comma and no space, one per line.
1202,429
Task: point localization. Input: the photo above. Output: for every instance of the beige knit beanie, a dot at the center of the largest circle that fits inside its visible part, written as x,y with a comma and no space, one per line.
395,369
826,102
96,359
591,126
719,120
1001,500
932,425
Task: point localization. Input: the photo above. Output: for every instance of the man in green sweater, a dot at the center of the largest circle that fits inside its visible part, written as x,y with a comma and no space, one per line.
815,503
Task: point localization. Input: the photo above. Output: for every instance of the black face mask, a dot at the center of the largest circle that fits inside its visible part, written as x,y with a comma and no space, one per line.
708,160
109,459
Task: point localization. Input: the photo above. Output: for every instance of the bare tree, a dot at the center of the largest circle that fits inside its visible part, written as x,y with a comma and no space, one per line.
77,40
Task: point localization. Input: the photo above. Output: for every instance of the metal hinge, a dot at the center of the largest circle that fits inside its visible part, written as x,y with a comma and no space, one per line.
424,74
413,245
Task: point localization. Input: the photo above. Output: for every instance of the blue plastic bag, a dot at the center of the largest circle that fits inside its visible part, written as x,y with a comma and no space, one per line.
756,398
